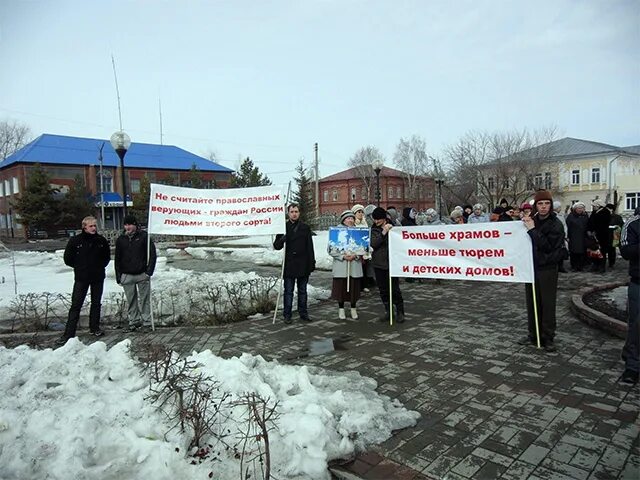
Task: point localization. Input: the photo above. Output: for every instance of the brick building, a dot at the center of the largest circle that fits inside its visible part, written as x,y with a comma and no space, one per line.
65,157
342,190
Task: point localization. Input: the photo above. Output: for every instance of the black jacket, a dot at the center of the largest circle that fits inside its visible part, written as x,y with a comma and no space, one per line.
131,255
577,232
407,221
630,246
299,257
548,242
380,245
88,255
599,224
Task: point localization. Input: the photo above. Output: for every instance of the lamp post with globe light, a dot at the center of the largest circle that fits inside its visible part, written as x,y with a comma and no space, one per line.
121,142
377,168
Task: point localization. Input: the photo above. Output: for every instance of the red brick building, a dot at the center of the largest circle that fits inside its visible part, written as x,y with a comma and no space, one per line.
342,190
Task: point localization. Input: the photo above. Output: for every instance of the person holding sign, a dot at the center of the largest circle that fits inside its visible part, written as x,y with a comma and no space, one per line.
547,236
347,273
299,262
380,259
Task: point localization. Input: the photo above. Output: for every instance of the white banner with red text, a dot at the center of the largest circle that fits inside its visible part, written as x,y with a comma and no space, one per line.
496,252
216,212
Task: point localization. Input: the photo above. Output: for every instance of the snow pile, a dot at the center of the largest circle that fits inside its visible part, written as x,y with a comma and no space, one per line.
80,412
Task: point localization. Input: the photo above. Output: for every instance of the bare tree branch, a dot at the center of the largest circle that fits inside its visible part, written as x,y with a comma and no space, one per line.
13,136
363,161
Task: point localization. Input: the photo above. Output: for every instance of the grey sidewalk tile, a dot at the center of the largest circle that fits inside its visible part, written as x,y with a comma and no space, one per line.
601,472
491,470
563,452
469,466
613,457
534,454
493,457
565,469
585,459
547,474
518,470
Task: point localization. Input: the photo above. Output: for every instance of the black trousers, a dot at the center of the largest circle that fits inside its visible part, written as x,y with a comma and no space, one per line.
382,279
80,290
577,260
546,294
611,256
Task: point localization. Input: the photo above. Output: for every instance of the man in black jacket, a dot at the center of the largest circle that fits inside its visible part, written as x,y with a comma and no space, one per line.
547,237
630,250
299,262
134,270
88,254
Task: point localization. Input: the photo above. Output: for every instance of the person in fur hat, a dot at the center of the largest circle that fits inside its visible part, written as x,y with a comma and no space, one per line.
347,268
577,234
547,238
379,242
598,227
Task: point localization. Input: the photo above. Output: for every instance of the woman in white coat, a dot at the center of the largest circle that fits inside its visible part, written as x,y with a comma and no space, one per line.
346,265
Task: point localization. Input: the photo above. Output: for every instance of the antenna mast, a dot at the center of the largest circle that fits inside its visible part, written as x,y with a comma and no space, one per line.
113,62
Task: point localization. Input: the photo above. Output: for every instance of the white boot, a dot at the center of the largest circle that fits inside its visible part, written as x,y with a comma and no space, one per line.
354,313
341,314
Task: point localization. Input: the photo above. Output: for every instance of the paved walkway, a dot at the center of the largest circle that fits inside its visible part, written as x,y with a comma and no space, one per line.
490,408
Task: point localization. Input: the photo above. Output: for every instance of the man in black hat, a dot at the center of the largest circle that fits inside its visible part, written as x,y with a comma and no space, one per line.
88,253
615,229
299,262
134,269
547,237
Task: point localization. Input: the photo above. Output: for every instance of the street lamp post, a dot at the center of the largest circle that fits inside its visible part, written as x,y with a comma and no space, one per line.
439,183
121,142
377,168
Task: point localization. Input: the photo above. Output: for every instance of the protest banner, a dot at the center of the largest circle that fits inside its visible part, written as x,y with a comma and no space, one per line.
348,240
216,212
496,252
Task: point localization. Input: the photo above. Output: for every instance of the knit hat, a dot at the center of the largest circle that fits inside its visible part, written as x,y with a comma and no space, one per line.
357,208
598,203
526,206
478,206
130,220
368,209
379,213
346,214
542,195
556,204
578,204
456,213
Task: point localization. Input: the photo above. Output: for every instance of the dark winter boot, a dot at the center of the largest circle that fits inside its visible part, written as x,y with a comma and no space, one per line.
385,317
400,313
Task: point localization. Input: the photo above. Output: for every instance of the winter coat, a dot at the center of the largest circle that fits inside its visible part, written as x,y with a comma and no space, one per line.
504,217
339,268
380,245
88,254
599,224
299,258
577,232
482,218
407,221
548,242
131,255
630,246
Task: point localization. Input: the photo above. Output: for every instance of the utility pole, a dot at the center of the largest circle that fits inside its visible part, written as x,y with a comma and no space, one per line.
317,180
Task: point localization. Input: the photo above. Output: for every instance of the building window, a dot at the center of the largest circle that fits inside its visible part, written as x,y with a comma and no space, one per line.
537,180
135,186
353,194
491,184
16,185
390,192
335,195
325,195
595,175
363,193
398,192
2,194
632,201
547,180
7,188
107,181
575,177
505,182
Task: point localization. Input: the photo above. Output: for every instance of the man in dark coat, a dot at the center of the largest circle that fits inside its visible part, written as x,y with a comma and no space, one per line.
630,250
577,233
598,225
134,270
88,254
547,237
615,228
299,262
379,241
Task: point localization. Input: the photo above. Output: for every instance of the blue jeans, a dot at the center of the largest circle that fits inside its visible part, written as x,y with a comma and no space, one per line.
632,344
289,283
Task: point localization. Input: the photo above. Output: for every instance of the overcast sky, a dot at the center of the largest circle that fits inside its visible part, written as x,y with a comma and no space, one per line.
267,79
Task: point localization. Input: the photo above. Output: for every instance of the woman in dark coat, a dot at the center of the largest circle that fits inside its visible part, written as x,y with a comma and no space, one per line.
577,232
599,224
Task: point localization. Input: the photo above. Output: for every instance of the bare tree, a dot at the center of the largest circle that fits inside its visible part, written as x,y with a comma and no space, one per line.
411,158
509,165
13,136
363,161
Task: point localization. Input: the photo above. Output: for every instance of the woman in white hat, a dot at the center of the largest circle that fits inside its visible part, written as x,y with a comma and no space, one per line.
347,273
